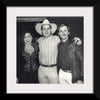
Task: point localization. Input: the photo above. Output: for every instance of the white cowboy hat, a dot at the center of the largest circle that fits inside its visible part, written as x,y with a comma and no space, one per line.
45,22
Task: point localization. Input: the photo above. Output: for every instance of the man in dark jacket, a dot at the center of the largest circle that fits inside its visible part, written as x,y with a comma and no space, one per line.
70,58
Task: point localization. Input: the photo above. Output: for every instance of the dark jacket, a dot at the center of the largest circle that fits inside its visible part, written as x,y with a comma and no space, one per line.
27,63
70,57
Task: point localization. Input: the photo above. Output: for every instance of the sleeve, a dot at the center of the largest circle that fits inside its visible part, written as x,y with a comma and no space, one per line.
38,40
37,53
79,53
36,50
58,67
58,39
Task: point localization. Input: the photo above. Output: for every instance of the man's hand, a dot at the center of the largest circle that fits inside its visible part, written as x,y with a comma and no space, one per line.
79,82
77,41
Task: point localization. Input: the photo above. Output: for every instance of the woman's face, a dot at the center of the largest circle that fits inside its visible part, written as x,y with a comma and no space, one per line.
27,38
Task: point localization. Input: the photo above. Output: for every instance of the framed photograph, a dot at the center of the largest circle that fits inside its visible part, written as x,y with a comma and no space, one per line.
23,20
26,22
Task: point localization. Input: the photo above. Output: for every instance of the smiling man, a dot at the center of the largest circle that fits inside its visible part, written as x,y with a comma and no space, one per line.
70,58
48,51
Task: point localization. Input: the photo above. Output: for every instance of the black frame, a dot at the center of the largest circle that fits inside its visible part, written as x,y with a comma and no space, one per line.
87,3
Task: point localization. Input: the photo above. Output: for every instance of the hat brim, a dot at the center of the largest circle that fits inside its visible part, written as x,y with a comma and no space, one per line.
38,27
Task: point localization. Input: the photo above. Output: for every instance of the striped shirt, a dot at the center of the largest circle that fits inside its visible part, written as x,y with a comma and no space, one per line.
48,49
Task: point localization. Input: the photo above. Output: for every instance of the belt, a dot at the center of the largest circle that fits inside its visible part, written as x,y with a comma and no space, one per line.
68,71
48,65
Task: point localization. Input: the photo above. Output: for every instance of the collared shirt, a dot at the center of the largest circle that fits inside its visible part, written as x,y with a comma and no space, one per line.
48,50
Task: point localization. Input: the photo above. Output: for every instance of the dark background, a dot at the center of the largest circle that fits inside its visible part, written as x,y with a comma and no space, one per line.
27,24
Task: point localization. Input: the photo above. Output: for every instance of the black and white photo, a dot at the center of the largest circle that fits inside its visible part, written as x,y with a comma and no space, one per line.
49,50
54,65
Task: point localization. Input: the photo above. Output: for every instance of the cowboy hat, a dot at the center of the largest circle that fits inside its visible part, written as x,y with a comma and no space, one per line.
45,22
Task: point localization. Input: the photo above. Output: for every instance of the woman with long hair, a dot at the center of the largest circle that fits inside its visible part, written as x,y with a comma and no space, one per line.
27,61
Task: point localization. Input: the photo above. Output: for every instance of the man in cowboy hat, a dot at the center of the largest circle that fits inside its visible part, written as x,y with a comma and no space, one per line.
47,72
48,51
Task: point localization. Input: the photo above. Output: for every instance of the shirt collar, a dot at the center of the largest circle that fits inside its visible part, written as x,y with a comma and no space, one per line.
66,42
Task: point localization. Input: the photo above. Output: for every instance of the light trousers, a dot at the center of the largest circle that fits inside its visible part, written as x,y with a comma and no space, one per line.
65,77
48,75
